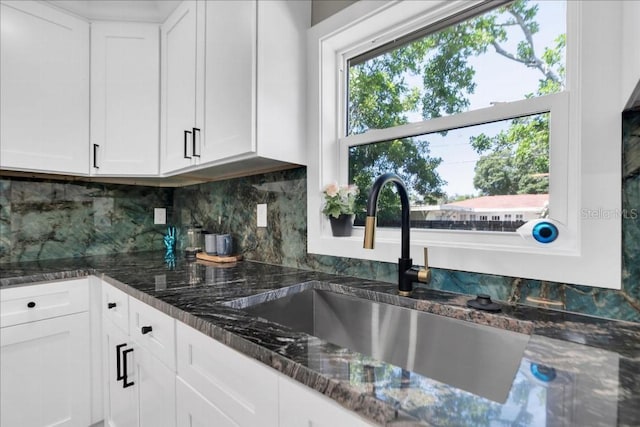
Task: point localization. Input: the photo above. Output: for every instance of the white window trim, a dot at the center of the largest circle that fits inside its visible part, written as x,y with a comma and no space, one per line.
589,250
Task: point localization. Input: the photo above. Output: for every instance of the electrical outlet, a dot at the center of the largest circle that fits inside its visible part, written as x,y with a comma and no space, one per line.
261,214
159,216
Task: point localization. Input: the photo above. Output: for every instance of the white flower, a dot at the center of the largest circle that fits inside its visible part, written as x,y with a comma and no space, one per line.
332,189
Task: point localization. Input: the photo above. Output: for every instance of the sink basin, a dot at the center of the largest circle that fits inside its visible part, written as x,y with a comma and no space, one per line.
480,359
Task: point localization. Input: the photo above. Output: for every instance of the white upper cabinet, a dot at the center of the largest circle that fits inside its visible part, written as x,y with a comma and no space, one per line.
182,87
230,79
125,98
44,89
255,80
233,80
218,91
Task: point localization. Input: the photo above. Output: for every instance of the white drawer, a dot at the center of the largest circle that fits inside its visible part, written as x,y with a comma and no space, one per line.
36,302
243,389
115,306
153,330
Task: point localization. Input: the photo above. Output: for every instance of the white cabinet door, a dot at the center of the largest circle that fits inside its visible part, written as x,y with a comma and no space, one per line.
182,87
44,367
193,410
125,98
230,79
282,80
302,406
242,389
255,80
121,405
44,89
155,390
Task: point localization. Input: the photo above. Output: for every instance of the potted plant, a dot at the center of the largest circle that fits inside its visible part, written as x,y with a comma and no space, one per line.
339,207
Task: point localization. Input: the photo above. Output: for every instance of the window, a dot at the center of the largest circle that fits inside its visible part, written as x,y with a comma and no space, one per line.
507,217
495,217
504,54
583,172
519,217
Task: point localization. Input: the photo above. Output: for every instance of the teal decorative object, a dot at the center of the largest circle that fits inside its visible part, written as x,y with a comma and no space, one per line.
170,239
170,244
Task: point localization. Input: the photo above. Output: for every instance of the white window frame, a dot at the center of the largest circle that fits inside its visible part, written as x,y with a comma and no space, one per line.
585,143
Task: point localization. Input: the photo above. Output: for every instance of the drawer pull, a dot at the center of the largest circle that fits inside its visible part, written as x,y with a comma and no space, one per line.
119,374
95,156
186,132
31,304
193,140
125,380
111,305
146,329
121,365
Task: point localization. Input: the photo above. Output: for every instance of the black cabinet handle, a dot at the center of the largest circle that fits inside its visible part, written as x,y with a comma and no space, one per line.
186,144
193,138
31,304
95,156
146,329
125,382
119,374
111,305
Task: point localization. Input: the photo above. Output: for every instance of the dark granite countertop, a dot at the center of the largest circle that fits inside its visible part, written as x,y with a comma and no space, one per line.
595,363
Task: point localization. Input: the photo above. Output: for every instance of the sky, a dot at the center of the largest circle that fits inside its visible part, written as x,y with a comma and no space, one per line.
498,80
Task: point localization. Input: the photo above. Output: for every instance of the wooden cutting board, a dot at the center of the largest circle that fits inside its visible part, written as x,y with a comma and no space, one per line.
220,259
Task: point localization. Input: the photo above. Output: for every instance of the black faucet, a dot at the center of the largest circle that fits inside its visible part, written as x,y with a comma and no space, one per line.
406,274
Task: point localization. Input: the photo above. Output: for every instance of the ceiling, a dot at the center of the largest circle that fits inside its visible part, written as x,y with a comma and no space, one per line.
120,10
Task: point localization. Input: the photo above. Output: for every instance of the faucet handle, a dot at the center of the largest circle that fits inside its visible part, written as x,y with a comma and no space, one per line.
424,274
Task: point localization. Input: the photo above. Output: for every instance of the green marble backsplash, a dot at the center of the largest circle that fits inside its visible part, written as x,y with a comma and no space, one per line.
48,219
42,219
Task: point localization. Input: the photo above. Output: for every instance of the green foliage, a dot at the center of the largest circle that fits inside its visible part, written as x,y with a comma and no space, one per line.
516,160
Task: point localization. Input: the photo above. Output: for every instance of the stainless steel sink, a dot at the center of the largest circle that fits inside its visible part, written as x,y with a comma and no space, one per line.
479,359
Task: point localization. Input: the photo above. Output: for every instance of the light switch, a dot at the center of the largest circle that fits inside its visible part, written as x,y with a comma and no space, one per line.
159,215
261,214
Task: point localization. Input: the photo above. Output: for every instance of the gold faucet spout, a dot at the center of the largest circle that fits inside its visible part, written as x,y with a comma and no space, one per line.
369,232
424,274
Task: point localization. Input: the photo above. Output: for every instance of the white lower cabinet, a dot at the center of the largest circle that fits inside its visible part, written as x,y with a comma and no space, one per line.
120,408
45,361
139,382
302,406
156,391
240,391
140,390
193,410
156,372
219,386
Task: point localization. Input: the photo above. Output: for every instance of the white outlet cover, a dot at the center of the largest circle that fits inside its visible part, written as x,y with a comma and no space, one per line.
159,216
261,214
